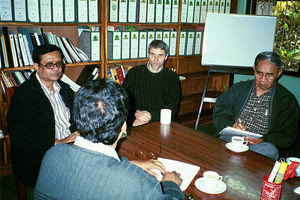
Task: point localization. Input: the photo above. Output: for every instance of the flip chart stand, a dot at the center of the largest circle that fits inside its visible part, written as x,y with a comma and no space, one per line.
219,69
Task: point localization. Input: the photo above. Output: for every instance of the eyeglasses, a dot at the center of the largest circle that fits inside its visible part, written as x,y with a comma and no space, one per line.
143,154
270,76
51,65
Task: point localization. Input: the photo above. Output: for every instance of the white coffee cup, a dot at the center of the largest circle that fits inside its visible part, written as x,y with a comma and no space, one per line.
211,180
165,116
238,142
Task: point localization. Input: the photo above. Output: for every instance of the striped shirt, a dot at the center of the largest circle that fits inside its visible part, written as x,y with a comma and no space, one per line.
61,111
255,116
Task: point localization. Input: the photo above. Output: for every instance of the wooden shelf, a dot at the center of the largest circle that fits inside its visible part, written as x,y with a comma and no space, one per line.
187,66
46,24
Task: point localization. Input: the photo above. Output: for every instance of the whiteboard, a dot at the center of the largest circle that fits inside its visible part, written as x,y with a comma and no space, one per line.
235,40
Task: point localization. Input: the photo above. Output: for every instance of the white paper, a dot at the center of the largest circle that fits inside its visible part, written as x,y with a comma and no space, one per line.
187,171
236,132
20,10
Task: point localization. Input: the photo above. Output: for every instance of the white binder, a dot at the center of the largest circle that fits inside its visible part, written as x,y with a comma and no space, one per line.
82,11
46,10
123,11
58,10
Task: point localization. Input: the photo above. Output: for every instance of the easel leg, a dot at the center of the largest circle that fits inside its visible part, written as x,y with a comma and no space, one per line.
202,99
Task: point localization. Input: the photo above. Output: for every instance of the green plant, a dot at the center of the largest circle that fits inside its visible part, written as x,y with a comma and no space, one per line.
287,37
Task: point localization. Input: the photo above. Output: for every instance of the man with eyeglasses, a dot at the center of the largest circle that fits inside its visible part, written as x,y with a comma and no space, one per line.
261,106
40,114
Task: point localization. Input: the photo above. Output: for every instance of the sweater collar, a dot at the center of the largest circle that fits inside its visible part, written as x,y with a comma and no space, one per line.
98,147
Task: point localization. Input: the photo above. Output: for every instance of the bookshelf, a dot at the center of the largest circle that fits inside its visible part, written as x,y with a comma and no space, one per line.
187,66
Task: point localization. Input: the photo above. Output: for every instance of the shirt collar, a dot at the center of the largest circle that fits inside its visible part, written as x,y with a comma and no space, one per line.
56,86
98,147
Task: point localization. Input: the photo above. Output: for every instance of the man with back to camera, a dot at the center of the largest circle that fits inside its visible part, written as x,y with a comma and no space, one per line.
152,87
91,168
40,114
261,106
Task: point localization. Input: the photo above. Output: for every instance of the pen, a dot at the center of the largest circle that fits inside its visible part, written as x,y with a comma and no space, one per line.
239,120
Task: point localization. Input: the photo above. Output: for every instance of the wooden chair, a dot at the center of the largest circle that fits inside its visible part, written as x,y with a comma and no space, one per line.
21,187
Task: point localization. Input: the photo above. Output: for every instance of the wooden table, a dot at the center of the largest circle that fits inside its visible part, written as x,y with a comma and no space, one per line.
242,172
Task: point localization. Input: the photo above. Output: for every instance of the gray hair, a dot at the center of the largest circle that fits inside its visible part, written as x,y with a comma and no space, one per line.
272,57
159,44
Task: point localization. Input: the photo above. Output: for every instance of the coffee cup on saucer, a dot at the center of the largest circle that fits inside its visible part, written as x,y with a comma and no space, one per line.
238,142
211,180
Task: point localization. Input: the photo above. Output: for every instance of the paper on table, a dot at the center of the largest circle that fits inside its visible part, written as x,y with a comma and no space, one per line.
187,171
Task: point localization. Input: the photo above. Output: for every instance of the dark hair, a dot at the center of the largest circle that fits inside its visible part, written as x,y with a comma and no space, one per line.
100,109
273,57
159,44
39,51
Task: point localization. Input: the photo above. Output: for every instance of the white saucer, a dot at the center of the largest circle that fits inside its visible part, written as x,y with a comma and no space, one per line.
243,149
221,187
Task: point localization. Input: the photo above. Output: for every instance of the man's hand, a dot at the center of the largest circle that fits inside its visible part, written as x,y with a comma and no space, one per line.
252,141
137,123
69,139
172,176
142,116
239,126
149,165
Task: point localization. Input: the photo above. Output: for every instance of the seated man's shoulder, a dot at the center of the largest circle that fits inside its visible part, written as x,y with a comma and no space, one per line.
284,94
